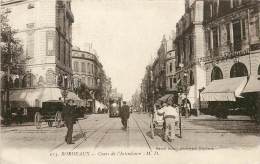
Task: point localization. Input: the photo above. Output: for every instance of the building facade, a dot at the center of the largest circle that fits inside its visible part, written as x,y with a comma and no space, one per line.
89,71
170,67
189,44
44,28
159,70
85,67
232,34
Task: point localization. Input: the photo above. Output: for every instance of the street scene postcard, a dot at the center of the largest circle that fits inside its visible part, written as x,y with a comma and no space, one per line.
130,81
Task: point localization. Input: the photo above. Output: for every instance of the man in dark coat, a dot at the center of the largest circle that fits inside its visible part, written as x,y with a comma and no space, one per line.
124,114
69,120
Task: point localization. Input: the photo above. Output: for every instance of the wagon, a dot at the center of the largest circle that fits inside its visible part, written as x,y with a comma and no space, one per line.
51,113
156,123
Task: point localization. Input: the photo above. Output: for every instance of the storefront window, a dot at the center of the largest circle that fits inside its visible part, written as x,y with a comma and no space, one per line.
216,74
238,70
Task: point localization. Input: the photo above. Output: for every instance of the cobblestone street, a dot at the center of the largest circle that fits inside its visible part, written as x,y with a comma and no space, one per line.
104,132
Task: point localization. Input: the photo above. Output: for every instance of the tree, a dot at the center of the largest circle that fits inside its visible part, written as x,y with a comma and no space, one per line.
11,47
83,91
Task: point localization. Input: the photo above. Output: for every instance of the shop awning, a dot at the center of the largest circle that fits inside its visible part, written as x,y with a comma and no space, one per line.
30,97
253,84
224,89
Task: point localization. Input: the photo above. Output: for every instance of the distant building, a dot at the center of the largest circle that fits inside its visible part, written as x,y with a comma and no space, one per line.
170,67
159,70
85,66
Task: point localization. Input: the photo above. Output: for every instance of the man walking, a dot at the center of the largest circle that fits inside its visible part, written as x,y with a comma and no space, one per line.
69,120
124,114
170,116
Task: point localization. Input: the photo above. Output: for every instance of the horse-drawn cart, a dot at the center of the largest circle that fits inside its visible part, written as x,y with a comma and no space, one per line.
50,112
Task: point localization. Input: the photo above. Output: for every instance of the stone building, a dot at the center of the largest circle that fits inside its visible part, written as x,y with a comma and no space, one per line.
85,66
147,90
170,66
232,37
88,70
189,44
159,70
44,28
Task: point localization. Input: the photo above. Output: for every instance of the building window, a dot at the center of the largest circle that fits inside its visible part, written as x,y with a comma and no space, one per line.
238,70
16,83
259,69
88,67
29,80
237,35
191,47
76,66
216,74
236,3
58,46
83,80
208,39
191,78
257,26
215,38
243,24
170,82
170,67
228,32
64,52
83,67
30,44
89,83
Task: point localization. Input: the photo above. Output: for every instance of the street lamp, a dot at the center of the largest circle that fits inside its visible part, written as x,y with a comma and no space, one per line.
186,94
64,92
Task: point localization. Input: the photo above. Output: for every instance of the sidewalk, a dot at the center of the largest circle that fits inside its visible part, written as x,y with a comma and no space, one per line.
230,118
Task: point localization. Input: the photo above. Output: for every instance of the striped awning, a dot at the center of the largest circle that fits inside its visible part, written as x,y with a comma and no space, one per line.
34,97
253,84
224,89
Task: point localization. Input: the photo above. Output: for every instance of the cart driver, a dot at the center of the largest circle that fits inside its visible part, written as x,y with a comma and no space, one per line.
170,115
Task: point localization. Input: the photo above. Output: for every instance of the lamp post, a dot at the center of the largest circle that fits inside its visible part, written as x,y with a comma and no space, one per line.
186,94
65,91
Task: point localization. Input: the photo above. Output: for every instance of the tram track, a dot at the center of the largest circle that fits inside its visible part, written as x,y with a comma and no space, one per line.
102,138
84,139
169,144
146,140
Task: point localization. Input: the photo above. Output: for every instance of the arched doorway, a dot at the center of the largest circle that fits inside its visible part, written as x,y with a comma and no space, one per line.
29,80
216,74
238,70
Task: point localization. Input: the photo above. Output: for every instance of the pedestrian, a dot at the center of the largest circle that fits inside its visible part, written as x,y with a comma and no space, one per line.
124,114
170,115
68,117
19,115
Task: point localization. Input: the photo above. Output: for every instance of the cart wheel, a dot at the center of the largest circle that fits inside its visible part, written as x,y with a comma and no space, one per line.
152,129
50,123
37,120
58,119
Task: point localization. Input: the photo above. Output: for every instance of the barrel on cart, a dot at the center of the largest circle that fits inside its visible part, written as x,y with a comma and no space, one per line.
51,113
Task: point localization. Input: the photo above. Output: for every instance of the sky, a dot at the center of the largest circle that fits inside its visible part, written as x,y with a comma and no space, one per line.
126,35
